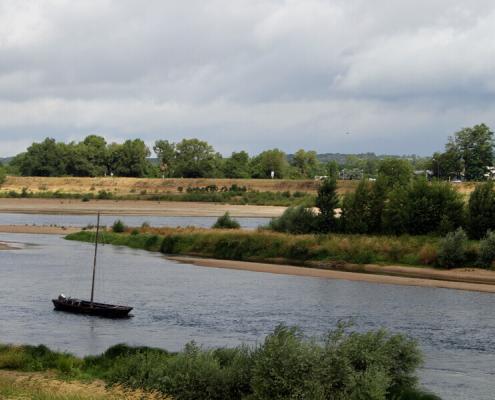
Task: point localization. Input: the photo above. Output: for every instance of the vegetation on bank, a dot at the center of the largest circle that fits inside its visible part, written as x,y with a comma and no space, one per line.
232,195
344,365
309,250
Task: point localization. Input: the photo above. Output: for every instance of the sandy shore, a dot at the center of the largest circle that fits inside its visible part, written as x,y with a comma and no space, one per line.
135,207
425,281
45,230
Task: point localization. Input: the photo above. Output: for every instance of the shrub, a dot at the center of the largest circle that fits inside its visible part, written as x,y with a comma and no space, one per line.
487,250
481,211
3,175
327,201
452,249
118,226
296,220
226,222
104,195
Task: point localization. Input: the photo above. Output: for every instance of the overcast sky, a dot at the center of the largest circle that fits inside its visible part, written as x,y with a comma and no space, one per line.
399,76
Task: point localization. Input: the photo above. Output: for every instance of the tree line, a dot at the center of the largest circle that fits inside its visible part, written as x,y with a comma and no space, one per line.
467,155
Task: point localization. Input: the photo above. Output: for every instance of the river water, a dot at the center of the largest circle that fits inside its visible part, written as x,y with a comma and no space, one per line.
68,220
175,303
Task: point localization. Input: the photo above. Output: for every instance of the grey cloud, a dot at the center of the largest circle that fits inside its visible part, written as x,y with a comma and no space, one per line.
400,75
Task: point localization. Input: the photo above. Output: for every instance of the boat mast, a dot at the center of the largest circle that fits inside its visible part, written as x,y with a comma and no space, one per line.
94,261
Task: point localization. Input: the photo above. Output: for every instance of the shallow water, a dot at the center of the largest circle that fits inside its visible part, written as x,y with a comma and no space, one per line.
175,303
130,220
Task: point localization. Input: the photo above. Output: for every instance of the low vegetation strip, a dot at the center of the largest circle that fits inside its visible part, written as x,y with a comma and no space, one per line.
342,365
276,247
15,385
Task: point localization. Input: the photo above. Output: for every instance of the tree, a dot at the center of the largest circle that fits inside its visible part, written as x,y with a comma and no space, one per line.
447,164
129,159
395,172
481,210
166,154
305,163
356,209
237,165
475,146
195,158
270,160
3,175
47,158
421,207
327,201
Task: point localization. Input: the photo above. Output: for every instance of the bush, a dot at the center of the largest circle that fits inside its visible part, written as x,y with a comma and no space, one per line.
487,251
452,249
118,226
296,220
226,222
3,175
481,211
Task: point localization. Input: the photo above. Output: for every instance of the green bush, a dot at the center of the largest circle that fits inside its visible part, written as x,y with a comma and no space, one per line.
226,222
481,210
118,226
296,220
347,365
452,251
3,175
487,250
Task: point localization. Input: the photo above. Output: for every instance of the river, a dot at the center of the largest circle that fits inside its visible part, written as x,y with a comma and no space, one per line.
175,303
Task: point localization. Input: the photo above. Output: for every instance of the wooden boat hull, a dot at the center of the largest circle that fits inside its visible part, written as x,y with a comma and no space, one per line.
77,306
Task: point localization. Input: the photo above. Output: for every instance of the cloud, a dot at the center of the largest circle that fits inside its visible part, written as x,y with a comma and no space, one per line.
400,76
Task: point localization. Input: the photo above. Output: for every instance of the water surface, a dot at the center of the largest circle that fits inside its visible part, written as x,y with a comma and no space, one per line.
130,220
175,303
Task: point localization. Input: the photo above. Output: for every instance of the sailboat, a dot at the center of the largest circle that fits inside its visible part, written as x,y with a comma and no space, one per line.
90,307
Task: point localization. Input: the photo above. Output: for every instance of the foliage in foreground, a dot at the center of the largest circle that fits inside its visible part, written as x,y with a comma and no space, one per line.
346,365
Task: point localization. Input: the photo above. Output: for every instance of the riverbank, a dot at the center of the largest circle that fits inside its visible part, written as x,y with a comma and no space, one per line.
350,257
37,229
134,207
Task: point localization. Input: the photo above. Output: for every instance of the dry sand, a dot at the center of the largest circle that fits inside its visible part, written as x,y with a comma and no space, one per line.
38,229
424,281
134,207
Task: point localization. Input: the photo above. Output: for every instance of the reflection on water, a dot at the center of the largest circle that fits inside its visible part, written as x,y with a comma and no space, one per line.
175,303
130,220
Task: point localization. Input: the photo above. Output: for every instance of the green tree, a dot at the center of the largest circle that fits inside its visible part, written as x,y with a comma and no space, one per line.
237,165
395,172
47,158
356,209
327,201
129,159
305,162
270,160
167,156
3,175
475,146
481,210
332,169
447,164
195,158
422,207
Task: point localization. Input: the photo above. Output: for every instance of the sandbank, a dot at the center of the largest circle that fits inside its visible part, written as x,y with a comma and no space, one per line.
135,207
424,280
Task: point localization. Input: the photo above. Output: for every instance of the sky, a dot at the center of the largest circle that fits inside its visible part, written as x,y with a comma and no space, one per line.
398,76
